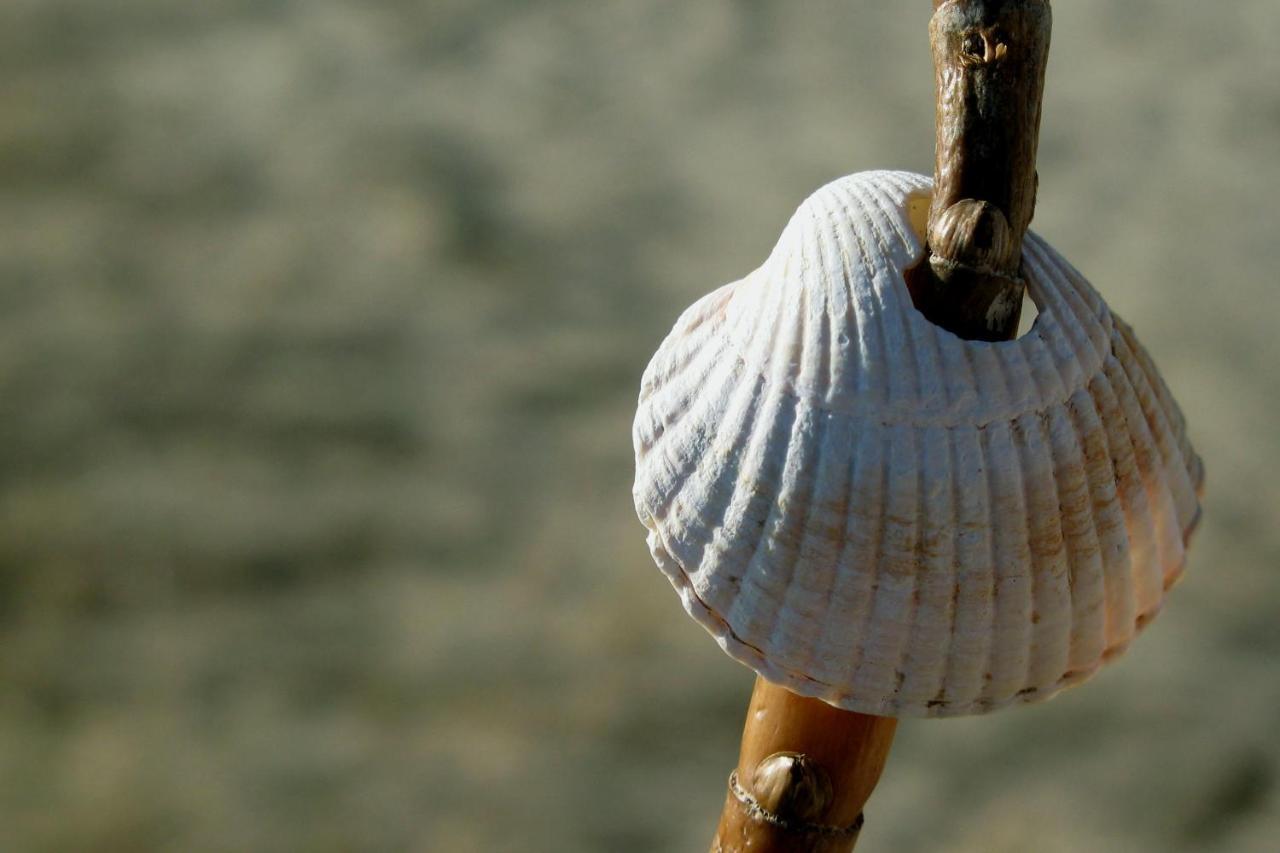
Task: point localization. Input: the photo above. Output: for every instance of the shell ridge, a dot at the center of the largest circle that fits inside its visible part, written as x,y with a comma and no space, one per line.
1092,313
821,320
870,472
740,321
837,313
1077,297
787,349
835,261
824,536
917,631
670,472
904,387
1031,564
1021,379
755,310
1152,495
1157,404
1049,561
742,509
1072,319
1144,555
993,583
787,341
686,345
785,557
879,368
1076,380
800,505
674,415
911,618
975,577
939,541
853,314
907,246
770,305
728,482
892,289
677,351
750,510
1112,479
938,699
1163,423
792,627
1046,362
1168,404
900,550
1081,552
1063,338
992,385
1088,579
877,364
1173,468
842,599
1016,371
865,667
957,355
891,285
675,404
757,575
1165,396
997,542
1011,622
872,348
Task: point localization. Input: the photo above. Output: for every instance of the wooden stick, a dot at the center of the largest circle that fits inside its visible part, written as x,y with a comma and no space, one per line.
805,771
806,768
989,61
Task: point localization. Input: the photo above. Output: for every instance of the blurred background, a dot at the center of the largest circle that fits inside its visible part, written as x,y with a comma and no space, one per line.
321,328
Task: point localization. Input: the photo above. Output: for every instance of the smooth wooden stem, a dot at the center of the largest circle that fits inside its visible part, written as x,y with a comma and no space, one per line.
806,768
805,772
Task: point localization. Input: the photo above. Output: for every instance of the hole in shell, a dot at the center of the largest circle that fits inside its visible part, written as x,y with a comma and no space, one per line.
1029,313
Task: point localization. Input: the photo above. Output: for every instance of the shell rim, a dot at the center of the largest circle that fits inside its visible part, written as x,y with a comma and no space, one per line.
805,685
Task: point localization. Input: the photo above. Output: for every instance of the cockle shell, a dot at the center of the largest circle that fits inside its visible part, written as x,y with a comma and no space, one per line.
864,508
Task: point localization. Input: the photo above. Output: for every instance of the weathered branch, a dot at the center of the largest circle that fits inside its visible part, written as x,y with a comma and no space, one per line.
989,63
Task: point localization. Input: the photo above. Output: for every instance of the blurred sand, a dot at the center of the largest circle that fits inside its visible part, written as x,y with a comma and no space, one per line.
322,328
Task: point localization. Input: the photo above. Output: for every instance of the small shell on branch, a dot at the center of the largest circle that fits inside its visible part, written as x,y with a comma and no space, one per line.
867,509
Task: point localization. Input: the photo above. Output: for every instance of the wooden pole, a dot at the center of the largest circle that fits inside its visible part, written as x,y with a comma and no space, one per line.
806,768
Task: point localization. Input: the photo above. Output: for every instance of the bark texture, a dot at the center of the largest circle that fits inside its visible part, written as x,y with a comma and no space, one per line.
989,65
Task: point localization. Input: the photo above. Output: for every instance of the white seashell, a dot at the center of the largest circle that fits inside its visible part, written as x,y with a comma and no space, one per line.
864,508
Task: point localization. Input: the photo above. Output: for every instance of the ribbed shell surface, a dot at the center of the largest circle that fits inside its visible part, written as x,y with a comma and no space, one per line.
864,508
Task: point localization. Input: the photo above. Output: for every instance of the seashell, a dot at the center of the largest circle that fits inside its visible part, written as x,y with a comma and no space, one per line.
866,509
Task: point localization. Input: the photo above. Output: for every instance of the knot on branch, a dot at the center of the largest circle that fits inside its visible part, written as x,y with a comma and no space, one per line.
976,234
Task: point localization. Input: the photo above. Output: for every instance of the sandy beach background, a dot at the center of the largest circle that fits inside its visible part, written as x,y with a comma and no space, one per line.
321,328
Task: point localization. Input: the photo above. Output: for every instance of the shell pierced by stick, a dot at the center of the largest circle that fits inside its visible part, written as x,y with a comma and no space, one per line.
864,508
